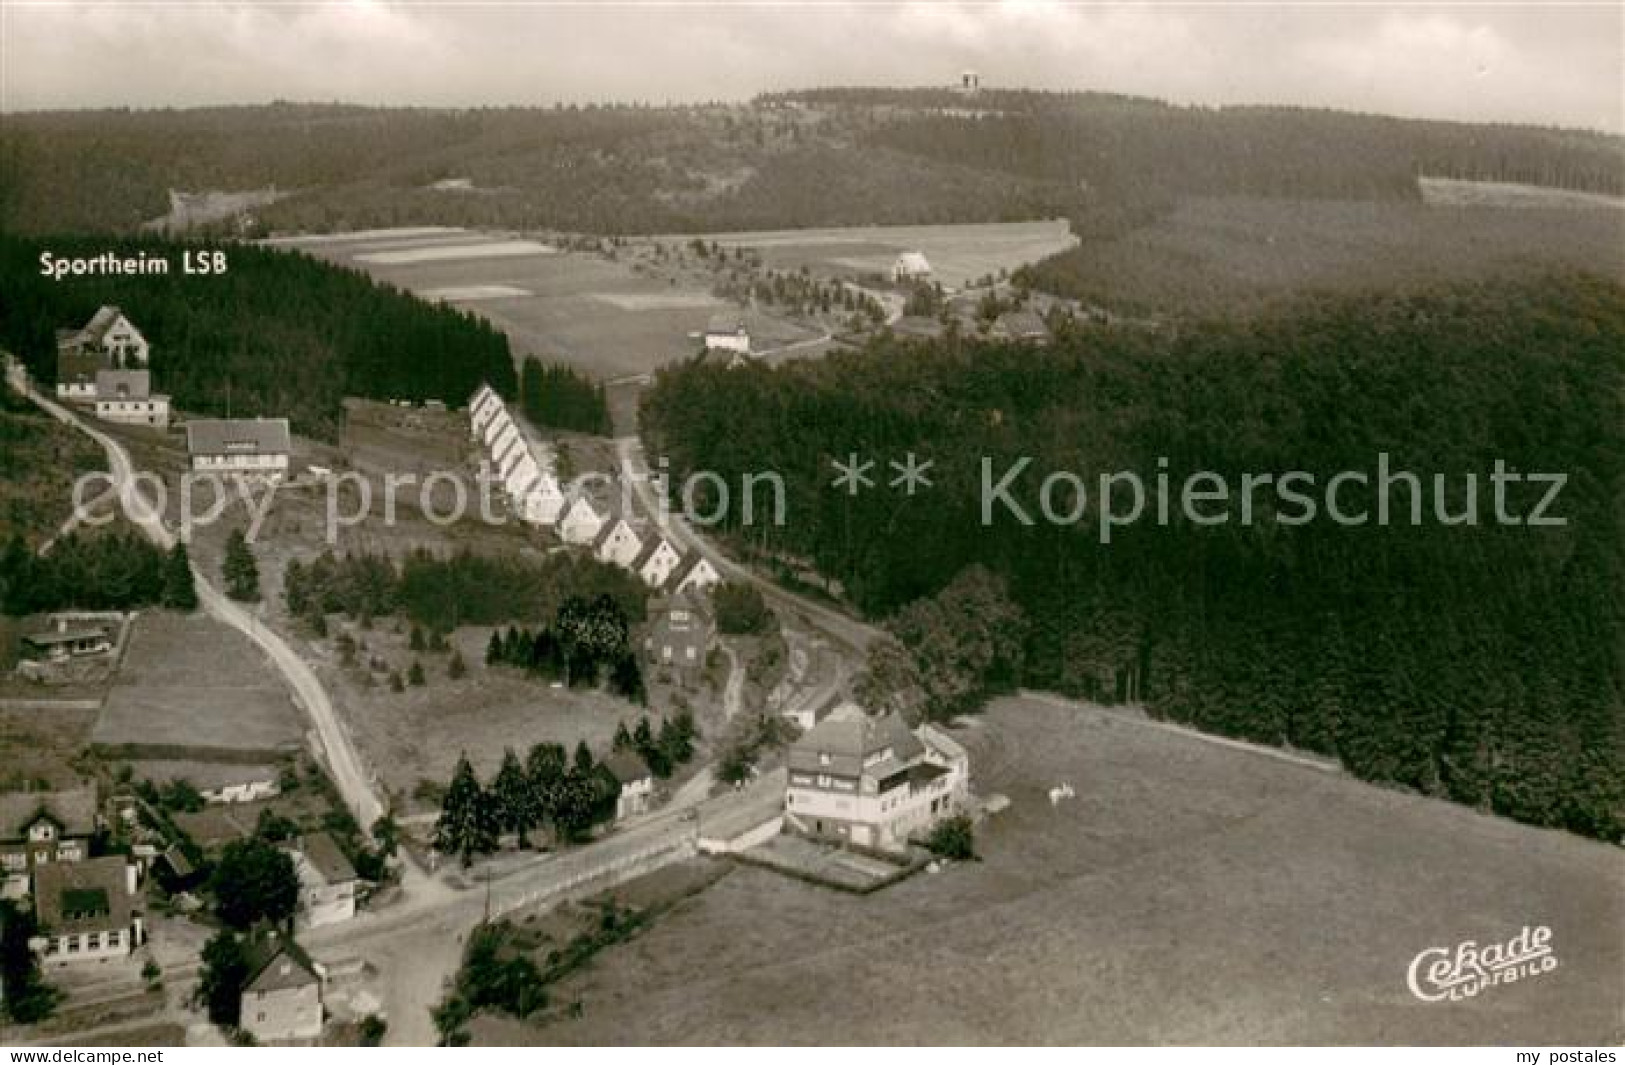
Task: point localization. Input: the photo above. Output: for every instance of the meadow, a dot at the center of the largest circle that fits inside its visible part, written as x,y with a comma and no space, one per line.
1192,893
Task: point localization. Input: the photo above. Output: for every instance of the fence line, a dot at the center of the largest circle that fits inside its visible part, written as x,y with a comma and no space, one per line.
672,850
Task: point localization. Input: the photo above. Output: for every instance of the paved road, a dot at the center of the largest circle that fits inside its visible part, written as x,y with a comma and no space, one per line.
343,763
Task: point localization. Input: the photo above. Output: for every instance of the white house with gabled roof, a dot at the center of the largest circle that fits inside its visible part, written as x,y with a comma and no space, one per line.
581,522
695,575
619,543
658,561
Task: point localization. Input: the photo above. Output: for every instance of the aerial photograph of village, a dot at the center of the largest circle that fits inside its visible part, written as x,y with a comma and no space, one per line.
876,524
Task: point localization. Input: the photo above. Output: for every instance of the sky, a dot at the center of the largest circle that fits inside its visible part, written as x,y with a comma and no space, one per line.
1543,63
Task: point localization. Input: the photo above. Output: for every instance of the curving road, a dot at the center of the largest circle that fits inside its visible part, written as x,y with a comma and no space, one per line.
343,763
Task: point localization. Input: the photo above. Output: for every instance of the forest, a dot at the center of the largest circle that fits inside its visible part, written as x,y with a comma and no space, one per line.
279,334
1479,662
806,158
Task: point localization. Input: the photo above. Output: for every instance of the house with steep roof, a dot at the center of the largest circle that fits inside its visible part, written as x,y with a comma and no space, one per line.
619,543
696,574
658,561
240,447
126,397
872,781
635,780
109,341
282,1000
580,522
39,828
86,911
682,631
327,881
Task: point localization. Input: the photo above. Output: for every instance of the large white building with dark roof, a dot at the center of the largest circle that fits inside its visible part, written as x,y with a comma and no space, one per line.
872,781
240,447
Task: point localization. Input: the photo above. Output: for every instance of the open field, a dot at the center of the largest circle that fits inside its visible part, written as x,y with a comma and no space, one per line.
1448,192
419,733
1216,256
585,310
1191,893
959,254
189,684
40,747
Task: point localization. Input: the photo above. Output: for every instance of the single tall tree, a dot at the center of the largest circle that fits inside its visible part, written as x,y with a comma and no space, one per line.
179,592
241,573
466,826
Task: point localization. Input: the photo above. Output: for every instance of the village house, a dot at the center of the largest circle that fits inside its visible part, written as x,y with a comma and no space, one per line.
695,575
217,782
282,1000
1021,325
581,522
240,447
636,780
327,881
871,781
39,828
541,502
909,267
682,632
657,562
727,332
64,641
126,396
86,911
109,341
619,543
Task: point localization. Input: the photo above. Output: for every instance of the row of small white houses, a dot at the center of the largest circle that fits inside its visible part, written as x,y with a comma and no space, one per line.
528,476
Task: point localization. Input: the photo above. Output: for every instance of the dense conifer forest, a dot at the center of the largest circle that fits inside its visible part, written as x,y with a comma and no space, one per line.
812,158
1479,662
279,333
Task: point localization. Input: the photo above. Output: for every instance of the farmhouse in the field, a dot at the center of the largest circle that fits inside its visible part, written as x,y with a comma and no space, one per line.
40,828
695,575
910,266
126,396
327,881
727,332
240,447
282,1000
636,781
658,561
682,631
109,341
86,911
871,781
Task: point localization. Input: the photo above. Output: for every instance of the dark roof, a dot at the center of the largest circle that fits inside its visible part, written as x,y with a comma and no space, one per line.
324,856
52,637
74,811
1021,324
650,546
688,565
100,323
627,767
88,896
135,384
179,864
237,436
725,322
680,621
848,737
278,965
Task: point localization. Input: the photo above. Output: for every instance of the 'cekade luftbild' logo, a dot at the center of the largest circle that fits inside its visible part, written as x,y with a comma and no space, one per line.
1440,974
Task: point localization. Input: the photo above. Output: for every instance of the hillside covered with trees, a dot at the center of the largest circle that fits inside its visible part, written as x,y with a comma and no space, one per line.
280,333
1476,661
811,158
